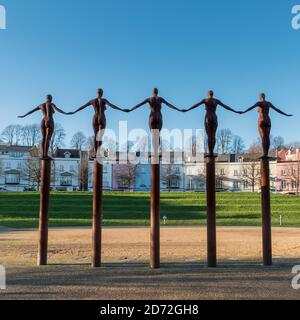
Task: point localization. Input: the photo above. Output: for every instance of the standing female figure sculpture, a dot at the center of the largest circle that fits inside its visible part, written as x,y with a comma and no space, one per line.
99,121
155,118
264,121
211,119
47,125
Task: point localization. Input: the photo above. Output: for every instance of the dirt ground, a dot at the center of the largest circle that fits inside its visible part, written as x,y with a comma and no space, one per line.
73,246
125,273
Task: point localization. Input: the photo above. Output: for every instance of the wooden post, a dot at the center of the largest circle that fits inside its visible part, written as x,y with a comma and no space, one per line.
211,212
155,215
44,212
97,214
266,211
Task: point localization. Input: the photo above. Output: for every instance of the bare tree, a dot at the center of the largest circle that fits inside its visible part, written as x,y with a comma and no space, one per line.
8,135
58,138
294,175
238,145
126,176
170,176
278,143
89,145
78,141
250,174
18,134
224,140
256,147
294,144
31,135
32,171
84,173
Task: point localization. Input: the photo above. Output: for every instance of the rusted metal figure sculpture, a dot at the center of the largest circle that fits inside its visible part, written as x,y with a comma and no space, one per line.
47,125
264,121
155,125
211,126
211,119
99,125
264,128
99,121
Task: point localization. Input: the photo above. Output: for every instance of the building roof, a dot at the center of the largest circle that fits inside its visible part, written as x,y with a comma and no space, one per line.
12,171
7,148
63,153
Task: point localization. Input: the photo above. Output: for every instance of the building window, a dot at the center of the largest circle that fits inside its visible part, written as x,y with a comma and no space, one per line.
283,184
294,184
61,168
174,182
12,178
222,172
236,185
219,184
66,180
245,185
245,172
236,173
16,154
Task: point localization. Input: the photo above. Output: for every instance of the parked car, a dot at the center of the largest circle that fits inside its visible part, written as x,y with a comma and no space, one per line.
29,189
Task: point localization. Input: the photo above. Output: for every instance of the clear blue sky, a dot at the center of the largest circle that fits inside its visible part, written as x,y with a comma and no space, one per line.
69,48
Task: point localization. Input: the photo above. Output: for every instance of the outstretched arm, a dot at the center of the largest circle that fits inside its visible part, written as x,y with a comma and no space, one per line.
220,103
59,110
279,111
195,106
170,105
30,112
139,105
115,107
81,108
251,108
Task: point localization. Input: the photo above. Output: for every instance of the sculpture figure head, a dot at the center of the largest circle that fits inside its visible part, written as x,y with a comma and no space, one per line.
49,98
100,93
262,97
155,92
210,94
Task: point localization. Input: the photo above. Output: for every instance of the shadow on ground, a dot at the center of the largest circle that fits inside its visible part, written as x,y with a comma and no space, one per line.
231,280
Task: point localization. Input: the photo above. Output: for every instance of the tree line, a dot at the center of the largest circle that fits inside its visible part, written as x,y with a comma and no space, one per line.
30,135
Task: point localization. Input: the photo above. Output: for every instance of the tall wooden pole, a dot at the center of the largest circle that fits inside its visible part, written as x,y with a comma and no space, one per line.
44,212
155,210
211,211
266,211
97,214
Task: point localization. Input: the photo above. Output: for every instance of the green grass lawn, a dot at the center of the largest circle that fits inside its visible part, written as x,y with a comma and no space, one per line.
20,210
